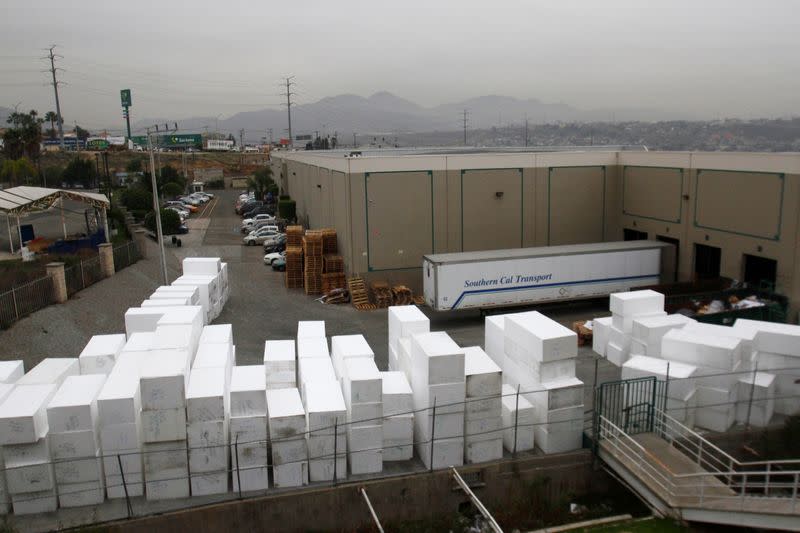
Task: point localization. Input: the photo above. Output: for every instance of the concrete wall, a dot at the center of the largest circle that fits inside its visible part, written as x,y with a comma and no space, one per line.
391,210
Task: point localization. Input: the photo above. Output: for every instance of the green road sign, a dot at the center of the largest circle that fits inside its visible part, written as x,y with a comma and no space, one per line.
97,144
184,140
125,97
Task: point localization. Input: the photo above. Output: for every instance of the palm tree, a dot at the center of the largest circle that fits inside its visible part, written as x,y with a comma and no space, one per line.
51,117
260,182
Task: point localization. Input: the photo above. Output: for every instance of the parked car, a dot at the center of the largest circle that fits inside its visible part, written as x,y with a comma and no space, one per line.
259,236
250,209
260,210
203,199
265,224
190,200
182,214
276,245
183,229
248,223
270,258
279,264
182,204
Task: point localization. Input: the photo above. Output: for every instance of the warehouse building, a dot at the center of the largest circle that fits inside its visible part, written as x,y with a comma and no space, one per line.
729,214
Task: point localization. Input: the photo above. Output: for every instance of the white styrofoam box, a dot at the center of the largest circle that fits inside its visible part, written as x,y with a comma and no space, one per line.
280,363
650,330
446,453
167,291
365,462
494,337
399,429
79,470
682,409
365,414
556,394
5,390
397,452
74,405
436,359
404,357
201,266
619,337
770,336
746,335
208,446
564,368
636,302
132,466
214,355
347,347
206,398
290,475
208,483
448,398
44,501
715,419
217,334
638,348
542,338
163,378
325,408
566,419
681,375
171,302
483,376
323,469
165,460
287,416
625,323
776,363
139,342
710,397
557,442
53,370
289,451
397,394
23,414
11,371
393,363
223,272
483,451
517,411
600,327
81,494
445,425
483,429
144,319
170,489
311,347
310,328
362,438
361,381
246,455
404,321
117,437
119,400
73,444
253,478
315,369
174,336
164,425
28,467
208,285
787,392
247,391
483,408
756,399
694,348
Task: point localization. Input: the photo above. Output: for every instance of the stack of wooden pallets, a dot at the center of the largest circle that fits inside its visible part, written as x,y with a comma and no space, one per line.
294,267
312,251
402,295
333,271
381,294
329,245
294,236
358,294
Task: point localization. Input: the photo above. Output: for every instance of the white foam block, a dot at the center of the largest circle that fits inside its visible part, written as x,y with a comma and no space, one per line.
600,327
280,355
310,328
365,414
650,330
11,371
311,347
164,425
139,342
188,315
53,370
71,444
168,291
541,338
217,334
81,494
483,376
446,453
771,336
143,319
120,437
695,348
397,394
347,347
248,391
209,483
290,475
171,302
206,398
557,394
362,381
28,467
287,416
252,479
74,406
201,266
625,323
119,400
680,374
325,407
494,337
436,359
404,321
310,371
23,414
81,470
163,378
518,413
214,355
208,446
616,354
636,302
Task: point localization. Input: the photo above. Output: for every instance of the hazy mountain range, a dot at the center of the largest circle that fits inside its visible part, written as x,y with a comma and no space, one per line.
386,113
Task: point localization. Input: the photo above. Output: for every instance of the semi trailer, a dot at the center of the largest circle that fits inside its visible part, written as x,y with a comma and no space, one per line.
524,276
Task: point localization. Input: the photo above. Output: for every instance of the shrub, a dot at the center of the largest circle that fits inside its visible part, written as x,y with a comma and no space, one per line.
215,184
137,199
170,221
287,209
171,190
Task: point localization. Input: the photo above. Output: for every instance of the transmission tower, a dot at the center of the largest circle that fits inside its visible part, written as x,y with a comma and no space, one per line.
288,81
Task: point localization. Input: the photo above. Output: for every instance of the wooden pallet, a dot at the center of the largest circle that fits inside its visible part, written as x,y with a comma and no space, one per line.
333,263
358,292
402,295
366,307
418,299
381,293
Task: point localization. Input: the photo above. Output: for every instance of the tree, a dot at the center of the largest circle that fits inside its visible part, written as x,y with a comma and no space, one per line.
24,135
170,221
51,117
17,171
167,174
81,133
261,182
134,165
171,190
79,170
137,199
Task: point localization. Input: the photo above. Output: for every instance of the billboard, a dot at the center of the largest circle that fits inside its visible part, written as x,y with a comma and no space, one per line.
125,97
97,144
171,140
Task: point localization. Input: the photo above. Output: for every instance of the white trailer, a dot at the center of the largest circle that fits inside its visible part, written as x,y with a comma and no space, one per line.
503,278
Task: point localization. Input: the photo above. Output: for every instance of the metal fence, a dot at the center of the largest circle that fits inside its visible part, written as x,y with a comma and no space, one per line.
125,255
25,299
85,273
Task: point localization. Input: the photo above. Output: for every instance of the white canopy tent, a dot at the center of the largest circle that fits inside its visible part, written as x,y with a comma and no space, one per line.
19,200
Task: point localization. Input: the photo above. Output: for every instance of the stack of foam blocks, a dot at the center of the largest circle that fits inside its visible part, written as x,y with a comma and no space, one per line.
74,443
7,373
540,357
437,379
280,364
625,308
518,420
646,333
287,436
354,364
248,428
681,392
404,321
210,276
326,417
398,417
483,436
208,411
100,354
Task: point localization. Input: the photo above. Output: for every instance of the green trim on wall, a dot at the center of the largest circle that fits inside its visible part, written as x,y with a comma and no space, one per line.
366,216
549,195
521,199
680,195
780,175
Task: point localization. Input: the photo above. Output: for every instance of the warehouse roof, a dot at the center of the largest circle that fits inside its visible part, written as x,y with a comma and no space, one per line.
20,199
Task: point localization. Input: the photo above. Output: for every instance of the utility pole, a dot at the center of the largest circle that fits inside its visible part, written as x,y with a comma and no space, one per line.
52,56
289,83
270,136
464,114
526,130
156,205
354,139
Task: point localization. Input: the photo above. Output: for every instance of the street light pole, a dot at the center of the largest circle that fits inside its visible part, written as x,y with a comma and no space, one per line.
156,207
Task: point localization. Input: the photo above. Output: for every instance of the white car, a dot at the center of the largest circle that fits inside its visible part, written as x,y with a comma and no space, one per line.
270,258
259,236
200,198
250,223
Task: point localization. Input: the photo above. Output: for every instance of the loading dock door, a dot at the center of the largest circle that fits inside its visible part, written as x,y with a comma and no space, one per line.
677,254
758,270
706,261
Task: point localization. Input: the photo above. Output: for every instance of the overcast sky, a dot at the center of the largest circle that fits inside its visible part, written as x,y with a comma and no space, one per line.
209,58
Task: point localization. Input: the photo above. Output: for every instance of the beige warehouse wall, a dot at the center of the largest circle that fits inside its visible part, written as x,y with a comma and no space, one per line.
576,204
491,209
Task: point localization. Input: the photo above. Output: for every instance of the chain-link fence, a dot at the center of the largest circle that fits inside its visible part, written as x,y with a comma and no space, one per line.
125,255
25,299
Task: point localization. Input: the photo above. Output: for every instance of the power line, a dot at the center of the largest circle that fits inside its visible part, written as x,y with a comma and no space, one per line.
289,84
52,57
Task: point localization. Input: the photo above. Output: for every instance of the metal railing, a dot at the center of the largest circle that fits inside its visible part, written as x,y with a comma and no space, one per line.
125,255
81,275
724,483
24,299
